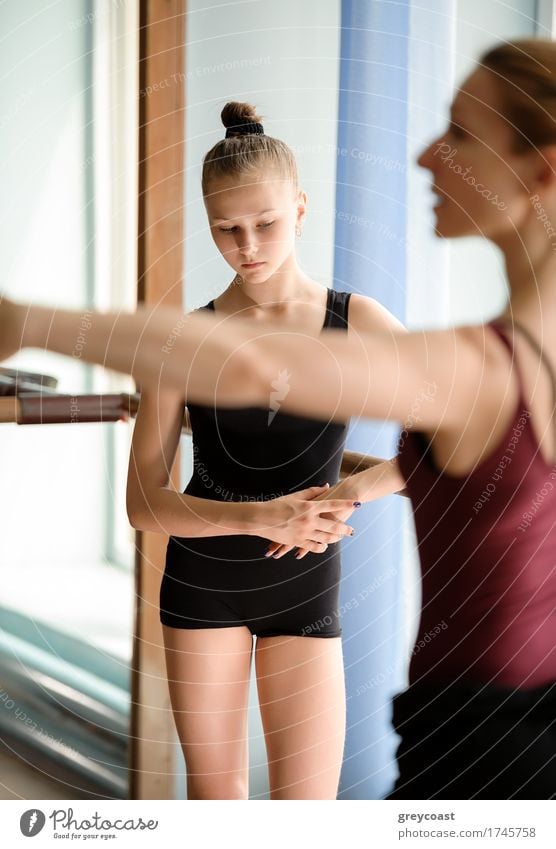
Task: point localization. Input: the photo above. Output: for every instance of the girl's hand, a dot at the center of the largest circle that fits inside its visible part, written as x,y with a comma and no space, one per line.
300,520
277,550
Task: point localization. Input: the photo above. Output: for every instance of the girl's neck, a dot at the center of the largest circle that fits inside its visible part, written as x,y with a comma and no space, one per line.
288,284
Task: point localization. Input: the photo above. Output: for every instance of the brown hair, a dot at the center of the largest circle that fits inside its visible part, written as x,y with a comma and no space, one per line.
242,155
526,75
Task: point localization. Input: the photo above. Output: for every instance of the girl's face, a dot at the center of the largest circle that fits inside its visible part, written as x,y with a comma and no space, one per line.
253,223
477,174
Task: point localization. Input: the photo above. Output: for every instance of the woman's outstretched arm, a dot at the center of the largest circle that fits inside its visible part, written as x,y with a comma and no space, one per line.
188,351
424,380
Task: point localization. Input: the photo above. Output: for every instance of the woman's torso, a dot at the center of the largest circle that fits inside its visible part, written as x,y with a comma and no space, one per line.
487,546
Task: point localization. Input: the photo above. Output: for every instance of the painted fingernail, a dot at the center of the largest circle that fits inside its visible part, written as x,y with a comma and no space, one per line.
357,504
268,554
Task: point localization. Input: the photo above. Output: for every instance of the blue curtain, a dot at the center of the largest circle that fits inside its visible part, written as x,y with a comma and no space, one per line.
370,258
396,78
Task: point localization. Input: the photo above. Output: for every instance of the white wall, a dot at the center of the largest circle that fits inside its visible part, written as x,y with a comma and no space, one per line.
284,58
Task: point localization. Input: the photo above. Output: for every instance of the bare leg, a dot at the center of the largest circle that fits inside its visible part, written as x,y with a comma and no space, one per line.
302,697
208,677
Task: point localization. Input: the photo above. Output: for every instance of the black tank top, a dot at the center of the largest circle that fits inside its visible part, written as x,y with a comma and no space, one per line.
255,454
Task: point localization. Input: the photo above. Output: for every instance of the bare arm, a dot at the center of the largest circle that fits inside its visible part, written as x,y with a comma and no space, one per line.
383,478
151,504
374,477
425,379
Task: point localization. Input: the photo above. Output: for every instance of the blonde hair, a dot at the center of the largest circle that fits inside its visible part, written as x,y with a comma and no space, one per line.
246,154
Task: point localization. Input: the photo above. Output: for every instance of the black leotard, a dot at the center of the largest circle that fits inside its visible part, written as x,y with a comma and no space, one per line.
254,455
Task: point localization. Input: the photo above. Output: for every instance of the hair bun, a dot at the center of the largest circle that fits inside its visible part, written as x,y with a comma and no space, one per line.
240,119
235,114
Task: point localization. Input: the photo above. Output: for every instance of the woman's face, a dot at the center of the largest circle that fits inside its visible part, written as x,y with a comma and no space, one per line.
479,177
253,223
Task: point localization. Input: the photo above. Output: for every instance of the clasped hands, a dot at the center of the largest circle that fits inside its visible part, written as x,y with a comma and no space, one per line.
301,521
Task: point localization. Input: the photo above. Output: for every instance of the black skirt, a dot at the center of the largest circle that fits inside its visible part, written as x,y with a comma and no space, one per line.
475,741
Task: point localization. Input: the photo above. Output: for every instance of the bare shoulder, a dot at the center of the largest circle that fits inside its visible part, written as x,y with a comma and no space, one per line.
482,343
367,315
487,403
467,349
474,370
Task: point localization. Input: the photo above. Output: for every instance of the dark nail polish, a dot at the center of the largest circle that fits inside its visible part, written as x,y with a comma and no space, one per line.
357,504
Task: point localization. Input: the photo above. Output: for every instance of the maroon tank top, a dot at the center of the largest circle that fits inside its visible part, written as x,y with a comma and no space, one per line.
487,547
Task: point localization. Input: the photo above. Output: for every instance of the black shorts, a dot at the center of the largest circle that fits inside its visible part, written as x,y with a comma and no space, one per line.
223,582
475,741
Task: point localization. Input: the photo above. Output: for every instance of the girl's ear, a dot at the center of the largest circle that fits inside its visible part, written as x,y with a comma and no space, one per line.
301,204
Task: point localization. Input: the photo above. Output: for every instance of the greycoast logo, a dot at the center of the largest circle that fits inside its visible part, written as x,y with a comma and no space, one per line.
31,822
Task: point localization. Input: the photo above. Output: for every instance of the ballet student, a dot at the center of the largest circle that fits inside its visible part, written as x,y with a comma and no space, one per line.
477,719
255,468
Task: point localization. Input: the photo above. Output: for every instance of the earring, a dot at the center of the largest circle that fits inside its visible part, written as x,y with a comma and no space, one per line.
298,231
237,281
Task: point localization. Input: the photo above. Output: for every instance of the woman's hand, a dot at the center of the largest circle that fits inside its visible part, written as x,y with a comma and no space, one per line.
300,520
340,492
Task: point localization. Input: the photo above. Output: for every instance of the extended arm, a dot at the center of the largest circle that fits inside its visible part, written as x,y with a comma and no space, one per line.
425,379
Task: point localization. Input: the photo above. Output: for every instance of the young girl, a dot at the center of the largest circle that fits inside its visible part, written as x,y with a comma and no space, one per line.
477,720
254,468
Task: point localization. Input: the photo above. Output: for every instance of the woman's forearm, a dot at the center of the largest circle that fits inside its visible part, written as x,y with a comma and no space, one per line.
222,360
154,344
177,514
